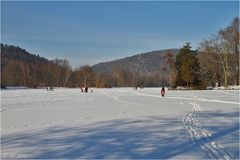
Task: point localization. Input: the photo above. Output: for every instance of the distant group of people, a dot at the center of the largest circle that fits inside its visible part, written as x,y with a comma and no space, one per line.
136,87
109,87
85,89
162,92
50,88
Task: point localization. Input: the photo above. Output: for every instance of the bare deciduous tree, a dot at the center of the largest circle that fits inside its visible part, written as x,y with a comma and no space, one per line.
225,45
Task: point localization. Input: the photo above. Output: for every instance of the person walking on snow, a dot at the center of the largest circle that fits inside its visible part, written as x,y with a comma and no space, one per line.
86,89
163,91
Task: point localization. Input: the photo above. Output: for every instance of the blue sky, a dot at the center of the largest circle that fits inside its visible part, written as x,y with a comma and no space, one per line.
93,32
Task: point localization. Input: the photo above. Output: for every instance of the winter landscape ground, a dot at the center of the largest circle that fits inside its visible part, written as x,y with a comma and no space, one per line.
119,123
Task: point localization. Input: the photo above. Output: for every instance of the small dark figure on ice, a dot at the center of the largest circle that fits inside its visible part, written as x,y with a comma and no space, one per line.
86,89
163,91
135,88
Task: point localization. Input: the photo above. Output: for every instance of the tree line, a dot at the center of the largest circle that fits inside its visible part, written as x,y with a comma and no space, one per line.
216,60
20,68
221,52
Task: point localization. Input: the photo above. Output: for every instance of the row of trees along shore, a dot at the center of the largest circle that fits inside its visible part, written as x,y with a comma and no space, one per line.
216,60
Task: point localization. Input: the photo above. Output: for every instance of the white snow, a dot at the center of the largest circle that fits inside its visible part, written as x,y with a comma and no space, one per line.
119,123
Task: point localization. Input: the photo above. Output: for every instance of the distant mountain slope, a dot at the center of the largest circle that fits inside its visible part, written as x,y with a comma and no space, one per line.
10,52
143,63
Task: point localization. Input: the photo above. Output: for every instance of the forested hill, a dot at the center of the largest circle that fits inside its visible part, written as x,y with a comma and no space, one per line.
10,52
21,68
143,63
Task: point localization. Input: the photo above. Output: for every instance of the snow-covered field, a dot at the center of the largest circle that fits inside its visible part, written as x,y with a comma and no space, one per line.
119,123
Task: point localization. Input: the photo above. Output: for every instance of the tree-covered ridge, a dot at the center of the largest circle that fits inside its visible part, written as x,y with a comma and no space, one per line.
145,63
20,68
10,52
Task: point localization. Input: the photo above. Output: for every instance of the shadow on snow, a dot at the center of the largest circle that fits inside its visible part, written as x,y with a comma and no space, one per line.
151,137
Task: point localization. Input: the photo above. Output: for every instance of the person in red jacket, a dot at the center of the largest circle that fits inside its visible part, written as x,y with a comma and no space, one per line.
163,91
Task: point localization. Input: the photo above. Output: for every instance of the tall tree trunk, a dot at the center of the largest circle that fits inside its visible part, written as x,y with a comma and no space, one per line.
226,70
66,77
224,61
237,67
28,76
225,80
218,74
24,74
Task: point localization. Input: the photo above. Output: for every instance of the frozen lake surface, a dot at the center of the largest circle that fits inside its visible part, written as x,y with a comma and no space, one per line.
119,123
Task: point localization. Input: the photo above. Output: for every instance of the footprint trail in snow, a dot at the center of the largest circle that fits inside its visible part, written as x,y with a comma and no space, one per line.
203,137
